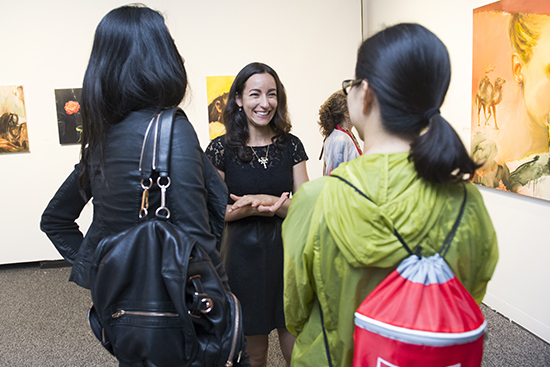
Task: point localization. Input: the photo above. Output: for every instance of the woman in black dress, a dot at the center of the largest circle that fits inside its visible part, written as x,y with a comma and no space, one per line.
261,163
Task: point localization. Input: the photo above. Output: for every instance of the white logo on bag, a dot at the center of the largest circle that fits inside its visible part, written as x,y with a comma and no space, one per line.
382,363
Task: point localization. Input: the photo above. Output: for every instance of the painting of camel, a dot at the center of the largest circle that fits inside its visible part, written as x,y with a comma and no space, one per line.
488,96
13,120
511,96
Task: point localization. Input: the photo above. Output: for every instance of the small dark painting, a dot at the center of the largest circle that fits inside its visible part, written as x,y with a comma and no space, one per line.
69,119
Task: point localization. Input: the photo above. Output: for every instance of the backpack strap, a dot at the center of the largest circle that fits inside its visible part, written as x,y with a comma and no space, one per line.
366,197
448,239
442,251
155,157
325,335
450,236
155,151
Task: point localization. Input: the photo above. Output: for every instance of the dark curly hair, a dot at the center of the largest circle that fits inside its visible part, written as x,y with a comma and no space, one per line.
236,122
332,112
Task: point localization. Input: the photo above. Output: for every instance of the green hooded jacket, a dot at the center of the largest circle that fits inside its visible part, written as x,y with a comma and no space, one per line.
339,246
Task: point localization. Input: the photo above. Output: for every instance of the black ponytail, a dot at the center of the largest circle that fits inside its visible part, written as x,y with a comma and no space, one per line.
409,70
439,155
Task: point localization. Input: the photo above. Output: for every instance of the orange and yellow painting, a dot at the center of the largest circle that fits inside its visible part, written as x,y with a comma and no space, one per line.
217,90
511,96
13,120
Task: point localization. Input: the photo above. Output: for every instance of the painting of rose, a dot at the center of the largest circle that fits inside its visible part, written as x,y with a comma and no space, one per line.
69,119
72,107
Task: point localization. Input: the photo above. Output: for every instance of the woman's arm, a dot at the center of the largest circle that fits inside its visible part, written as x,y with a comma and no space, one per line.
299,172
265,205
257,205
253,205
59,219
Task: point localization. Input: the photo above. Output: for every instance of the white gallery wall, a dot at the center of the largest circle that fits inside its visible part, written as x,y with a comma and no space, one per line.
46,45
311,43
519,288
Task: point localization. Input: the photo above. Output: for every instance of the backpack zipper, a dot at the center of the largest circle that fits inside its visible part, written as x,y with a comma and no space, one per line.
121,313
229,362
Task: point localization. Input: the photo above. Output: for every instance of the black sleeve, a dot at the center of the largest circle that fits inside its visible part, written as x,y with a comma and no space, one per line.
59,218
198,194
216,153
298,150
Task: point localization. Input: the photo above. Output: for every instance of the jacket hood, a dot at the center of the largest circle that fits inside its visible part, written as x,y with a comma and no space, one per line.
363,230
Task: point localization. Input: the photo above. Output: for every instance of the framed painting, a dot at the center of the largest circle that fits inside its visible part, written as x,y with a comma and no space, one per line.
511,96
69,119
217,90
13,120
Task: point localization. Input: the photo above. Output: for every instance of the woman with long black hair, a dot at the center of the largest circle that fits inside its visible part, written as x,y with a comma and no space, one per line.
135,71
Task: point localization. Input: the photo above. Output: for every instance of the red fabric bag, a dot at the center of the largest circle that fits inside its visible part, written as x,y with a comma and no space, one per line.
420,315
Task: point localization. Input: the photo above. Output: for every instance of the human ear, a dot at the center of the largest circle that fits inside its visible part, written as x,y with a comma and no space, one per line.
517,68
368,96
239,100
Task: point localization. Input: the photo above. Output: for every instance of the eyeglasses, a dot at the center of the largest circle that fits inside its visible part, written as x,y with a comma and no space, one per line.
350,83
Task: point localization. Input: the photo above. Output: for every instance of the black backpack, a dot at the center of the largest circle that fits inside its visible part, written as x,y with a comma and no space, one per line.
157,299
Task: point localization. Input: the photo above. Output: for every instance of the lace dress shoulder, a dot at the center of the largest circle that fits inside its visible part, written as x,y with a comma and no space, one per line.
298,150
216,152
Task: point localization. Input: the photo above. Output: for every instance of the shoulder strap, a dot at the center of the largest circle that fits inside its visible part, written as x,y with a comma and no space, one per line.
450,236
366,197
155,151
448,239
442,251
325,335
155,157
338,127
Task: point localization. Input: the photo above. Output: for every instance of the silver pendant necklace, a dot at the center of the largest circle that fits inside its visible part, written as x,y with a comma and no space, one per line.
263,161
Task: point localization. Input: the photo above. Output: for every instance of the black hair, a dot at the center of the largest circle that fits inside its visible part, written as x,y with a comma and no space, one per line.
134,65
409,70
236,123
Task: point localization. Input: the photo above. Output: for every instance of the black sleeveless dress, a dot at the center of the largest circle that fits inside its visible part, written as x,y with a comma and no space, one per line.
252,247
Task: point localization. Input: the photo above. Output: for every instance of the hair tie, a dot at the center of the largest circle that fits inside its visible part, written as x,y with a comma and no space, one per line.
430,113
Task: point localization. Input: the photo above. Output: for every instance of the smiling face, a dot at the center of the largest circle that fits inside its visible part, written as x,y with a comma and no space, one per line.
259,100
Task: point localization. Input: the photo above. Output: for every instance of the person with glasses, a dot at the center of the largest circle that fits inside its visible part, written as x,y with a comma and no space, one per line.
261,163
338,245
340,145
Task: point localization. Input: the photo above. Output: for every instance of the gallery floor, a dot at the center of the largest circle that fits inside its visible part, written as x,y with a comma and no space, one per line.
43,323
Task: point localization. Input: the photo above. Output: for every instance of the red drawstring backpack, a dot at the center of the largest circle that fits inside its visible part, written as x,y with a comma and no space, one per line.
420,315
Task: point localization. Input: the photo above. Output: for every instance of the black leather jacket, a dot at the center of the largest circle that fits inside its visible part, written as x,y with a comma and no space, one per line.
197,196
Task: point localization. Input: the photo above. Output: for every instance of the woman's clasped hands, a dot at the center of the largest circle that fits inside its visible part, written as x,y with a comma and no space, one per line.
264,205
